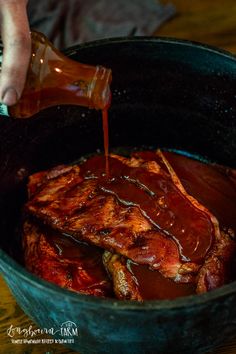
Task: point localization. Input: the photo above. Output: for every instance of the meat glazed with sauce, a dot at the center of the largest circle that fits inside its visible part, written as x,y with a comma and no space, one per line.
159,226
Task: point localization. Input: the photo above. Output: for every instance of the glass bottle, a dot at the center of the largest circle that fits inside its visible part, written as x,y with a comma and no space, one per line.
54,79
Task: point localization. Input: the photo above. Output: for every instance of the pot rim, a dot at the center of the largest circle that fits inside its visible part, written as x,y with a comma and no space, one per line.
165,40
8,265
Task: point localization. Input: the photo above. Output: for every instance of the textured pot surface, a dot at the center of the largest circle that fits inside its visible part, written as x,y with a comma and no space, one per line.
166,93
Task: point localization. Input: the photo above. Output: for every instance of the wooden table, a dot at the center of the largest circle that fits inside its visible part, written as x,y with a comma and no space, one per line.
207,21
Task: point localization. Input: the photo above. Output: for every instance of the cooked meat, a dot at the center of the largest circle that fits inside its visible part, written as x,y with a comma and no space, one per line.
216,271
63,261
52,181
124,283
142,212
139,212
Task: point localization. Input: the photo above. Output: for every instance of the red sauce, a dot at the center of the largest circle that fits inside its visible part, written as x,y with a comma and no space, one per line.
159,200
212,185
152,285
69,248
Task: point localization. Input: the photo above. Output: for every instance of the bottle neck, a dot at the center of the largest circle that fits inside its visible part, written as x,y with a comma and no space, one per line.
60,80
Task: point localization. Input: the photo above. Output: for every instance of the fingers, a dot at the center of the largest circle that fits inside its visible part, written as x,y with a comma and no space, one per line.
17,49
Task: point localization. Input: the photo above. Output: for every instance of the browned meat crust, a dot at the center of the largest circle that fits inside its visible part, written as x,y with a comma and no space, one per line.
62,261
216,271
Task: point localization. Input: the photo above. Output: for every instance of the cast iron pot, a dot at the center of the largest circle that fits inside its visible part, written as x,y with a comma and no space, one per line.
166,93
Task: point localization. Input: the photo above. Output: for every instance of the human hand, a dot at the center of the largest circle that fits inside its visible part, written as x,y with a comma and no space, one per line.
16,40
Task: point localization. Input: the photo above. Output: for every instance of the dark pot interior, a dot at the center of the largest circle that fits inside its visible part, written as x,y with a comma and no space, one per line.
166,93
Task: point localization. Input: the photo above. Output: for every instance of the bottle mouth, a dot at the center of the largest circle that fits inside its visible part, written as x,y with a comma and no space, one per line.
101,94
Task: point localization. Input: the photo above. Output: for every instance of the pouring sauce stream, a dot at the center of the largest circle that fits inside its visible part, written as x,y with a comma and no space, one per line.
106,138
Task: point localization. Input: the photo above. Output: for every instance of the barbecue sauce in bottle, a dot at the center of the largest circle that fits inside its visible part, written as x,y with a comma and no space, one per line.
53,79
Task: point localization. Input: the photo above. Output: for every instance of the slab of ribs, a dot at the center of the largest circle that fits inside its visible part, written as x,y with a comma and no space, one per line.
159,226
